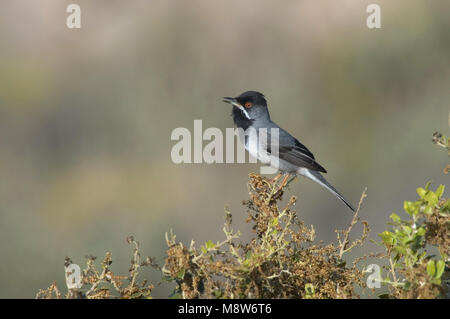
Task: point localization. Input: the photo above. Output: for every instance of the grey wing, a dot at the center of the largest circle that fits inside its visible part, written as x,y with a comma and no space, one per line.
294,152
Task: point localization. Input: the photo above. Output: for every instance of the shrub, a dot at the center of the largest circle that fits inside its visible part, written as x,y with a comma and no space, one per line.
284,259
413,271
105,284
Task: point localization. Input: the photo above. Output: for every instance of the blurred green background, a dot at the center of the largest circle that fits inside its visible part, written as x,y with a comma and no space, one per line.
86,117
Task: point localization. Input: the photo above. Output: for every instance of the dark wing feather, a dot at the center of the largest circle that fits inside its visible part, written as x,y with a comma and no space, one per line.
297,155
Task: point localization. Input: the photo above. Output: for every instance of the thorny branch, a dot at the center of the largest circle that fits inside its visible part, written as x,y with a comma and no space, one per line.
344,243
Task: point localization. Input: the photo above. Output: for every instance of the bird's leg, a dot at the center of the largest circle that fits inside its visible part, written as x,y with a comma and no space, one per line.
273,180
292,178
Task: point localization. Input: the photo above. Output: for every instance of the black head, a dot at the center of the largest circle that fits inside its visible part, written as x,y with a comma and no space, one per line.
248,107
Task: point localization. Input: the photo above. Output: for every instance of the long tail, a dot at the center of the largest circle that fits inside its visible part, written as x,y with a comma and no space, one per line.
319,179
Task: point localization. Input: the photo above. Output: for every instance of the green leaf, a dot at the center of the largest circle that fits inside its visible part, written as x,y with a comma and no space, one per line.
407,207
395,218
427,186
431,198
428,210
440,191
218,293
408,262
431,268
407,286
309,290
274,221
421,231
436,281
411,207
407,229
446,207
421,192
440,267
387,237
401,250
180,274
210,245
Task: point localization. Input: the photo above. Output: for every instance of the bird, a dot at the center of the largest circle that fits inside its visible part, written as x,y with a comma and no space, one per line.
250,110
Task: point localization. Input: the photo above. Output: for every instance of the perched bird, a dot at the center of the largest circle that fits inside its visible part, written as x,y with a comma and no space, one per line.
250,111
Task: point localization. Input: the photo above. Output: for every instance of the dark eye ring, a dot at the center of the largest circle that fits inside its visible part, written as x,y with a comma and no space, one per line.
248,105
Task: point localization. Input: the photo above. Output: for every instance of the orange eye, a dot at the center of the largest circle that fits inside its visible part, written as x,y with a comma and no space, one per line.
248,105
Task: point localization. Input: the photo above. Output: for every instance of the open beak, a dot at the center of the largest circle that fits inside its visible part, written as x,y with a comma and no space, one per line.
232,101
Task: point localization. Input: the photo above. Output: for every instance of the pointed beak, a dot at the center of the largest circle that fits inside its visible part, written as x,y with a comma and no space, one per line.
232,101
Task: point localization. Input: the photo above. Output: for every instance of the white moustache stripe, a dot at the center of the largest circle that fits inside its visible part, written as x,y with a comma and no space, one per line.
245,112
242,109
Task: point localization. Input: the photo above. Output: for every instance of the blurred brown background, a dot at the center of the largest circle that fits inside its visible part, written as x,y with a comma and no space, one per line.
86,117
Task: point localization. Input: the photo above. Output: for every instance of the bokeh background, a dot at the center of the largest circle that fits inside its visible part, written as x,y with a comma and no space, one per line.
86,117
